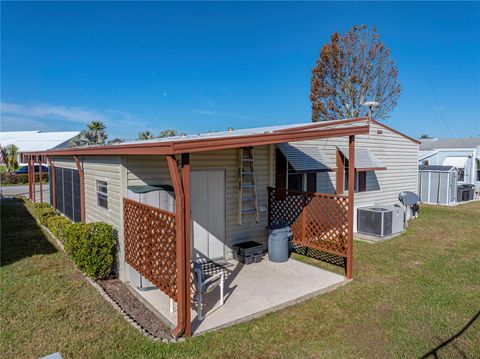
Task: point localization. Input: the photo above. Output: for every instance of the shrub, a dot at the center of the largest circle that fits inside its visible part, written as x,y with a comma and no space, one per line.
56,224
91,247
44,213
42,205
20,178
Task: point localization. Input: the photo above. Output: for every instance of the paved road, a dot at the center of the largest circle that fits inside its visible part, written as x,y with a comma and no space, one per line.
22,190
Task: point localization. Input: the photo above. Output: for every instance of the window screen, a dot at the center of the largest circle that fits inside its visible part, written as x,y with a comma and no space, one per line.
102,194
67,192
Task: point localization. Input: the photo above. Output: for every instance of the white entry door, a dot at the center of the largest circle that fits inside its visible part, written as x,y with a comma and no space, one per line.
208,214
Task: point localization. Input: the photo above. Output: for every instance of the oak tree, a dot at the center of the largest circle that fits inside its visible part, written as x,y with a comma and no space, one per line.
354,68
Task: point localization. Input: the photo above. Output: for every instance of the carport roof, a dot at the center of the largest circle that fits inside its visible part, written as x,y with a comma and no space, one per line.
224,140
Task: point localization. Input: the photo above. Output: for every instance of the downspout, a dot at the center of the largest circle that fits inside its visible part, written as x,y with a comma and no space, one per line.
180,245
186,192
33,179
53,195
82,188
351,196
41,179
29,176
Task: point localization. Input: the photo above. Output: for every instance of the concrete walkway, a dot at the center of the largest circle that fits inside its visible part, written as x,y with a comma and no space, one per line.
251,291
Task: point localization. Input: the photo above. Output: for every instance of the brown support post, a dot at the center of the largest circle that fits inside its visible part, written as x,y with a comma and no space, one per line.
41,184
54,183
29,162
340,174
186,191
351,196
82,188
33,180
180,245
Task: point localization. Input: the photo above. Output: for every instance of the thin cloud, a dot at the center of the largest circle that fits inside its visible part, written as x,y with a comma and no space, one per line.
42,116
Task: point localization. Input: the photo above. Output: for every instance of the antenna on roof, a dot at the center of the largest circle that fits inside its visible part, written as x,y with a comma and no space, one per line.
371,106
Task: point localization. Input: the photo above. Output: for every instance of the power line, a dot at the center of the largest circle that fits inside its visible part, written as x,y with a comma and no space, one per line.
439,108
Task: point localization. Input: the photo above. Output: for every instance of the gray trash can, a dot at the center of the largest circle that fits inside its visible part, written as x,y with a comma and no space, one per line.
278,237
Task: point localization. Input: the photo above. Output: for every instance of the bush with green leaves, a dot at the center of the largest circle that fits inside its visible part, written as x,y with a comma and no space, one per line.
91,246
56,224
20,178
44,213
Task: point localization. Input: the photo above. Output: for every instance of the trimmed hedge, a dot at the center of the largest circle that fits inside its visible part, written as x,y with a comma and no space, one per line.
91,245
20,178
44,211
56,225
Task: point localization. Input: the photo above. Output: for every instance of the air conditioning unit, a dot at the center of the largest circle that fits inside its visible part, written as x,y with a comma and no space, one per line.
380,220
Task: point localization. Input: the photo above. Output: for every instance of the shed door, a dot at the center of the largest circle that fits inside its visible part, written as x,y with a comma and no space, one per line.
208,214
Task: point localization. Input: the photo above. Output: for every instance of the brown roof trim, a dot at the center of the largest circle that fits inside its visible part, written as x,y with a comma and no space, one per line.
397,132
319,124
211,144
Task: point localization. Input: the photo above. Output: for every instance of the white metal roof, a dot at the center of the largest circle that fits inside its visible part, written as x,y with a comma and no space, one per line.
364,159
471,142
28,141
303,157
458,161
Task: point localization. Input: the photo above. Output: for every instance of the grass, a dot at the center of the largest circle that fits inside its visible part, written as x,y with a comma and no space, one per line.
408,295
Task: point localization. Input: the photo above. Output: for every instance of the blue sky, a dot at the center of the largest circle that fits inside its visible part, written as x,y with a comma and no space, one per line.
207,66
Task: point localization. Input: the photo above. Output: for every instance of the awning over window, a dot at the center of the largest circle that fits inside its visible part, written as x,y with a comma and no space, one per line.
304,158
364,160
458,162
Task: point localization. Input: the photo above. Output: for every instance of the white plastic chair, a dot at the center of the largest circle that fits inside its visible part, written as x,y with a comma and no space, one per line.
205,284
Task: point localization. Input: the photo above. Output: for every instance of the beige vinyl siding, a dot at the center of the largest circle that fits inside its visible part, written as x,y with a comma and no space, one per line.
64,162
399,155
153,170
104,169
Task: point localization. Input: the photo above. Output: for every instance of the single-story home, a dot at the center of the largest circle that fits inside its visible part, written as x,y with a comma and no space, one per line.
462,153
385,166
35,141
226,188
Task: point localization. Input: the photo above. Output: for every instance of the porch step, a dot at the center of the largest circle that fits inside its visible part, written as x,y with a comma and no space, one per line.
246,164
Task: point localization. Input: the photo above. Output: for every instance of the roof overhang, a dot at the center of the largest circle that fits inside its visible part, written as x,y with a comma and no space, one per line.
303,158
300,133
364,160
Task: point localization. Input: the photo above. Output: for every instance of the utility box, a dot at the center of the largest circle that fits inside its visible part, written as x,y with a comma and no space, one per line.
380,220
158,196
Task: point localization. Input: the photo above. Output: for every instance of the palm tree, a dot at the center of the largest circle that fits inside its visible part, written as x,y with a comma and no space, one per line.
95,134
168,133
96,126
9,155
145,135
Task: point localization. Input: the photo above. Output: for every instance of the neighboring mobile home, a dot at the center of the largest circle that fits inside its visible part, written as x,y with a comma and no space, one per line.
35,141
220,203
462,153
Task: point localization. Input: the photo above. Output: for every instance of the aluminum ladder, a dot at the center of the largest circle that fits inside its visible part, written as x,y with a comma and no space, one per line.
247,188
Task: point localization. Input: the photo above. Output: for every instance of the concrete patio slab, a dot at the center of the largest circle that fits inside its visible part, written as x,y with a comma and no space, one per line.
251,291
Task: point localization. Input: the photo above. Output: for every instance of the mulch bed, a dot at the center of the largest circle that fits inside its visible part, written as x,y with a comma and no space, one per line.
136,310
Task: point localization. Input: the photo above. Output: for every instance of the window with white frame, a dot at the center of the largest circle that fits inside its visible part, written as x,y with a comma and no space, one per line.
102,194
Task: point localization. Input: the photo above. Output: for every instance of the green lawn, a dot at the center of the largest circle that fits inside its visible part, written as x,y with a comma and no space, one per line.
408,295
